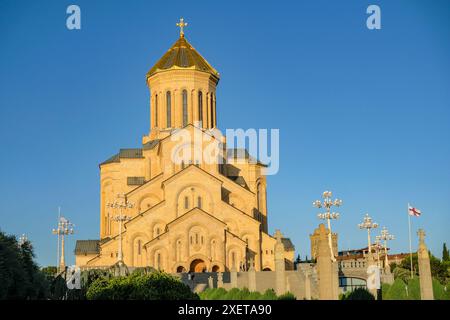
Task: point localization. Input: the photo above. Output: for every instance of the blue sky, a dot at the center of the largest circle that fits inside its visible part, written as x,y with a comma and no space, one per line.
364,113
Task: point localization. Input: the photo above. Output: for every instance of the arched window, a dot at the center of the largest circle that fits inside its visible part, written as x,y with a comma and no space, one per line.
169,109
211,113
185,108
139,246
158,261
156,110
200,107
186,202
199,202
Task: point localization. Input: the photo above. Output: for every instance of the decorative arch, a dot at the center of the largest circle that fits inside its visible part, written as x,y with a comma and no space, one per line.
202,257
235,256
158,257
193,191
184,101
138,252
146,201
157,228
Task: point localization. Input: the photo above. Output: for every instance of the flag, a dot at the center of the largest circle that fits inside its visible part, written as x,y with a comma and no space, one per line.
414,211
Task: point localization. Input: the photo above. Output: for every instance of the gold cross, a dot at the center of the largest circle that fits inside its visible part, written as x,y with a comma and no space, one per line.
182,24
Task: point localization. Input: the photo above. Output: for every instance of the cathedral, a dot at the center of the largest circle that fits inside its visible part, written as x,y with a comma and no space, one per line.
164,205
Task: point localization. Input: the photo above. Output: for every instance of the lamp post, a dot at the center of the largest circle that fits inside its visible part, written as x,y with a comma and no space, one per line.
65,228
368,224
386,236
22,239
328,215
120,218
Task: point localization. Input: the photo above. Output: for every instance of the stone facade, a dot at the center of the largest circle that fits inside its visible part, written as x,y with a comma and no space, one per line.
192,214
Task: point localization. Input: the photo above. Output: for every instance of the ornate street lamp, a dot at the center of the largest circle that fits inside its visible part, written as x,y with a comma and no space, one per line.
22,239
386,236
368,224
328,215
121,205
65,228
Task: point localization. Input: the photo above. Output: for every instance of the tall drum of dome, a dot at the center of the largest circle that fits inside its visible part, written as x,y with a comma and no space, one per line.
182,89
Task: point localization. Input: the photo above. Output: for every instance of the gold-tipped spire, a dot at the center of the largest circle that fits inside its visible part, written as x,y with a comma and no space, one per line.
182,24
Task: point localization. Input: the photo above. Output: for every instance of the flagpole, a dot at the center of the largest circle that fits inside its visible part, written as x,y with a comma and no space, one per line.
410,246
57,256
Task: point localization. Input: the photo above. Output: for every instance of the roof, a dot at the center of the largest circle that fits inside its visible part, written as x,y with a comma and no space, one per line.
182,56
87,247
287,243
150,144
135,153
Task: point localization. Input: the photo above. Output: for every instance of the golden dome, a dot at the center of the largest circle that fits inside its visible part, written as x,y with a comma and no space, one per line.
182,56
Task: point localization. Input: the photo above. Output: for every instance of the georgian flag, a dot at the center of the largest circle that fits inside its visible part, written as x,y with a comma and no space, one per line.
414,211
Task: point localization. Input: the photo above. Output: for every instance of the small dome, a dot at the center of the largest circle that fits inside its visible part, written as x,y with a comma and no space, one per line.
182,56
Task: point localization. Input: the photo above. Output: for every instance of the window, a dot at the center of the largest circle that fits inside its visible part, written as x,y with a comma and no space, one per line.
199,202
158,261
139,246
186,202
156,110
169,109
211,114
185,108
200,106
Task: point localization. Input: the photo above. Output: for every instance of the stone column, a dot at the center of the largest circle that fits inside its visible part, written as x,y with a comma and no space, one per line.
325,267
426,283
307,285
280,274
220,280
233,277
252,276
210,282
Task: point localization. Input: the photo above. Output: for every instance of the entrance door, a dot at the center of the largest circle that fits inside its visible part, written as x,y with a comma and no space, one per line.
198,265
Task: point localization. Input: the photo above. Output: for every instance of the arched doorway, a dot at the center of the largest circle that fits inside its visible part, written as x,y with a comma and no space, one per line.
215,268
180,269
267,269
198,265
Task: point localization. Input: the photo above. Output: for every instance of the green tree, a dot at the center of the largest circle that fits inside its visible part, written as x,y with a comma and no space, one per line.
153,286
445,253
20,277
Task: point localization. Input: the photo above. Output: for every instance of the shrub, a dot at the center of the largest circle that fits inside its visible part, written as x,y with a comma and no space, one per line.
217,294
287,296
413,289
138,286
254,296
397,291
269,294
359,294
233,294
204,295
438,291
